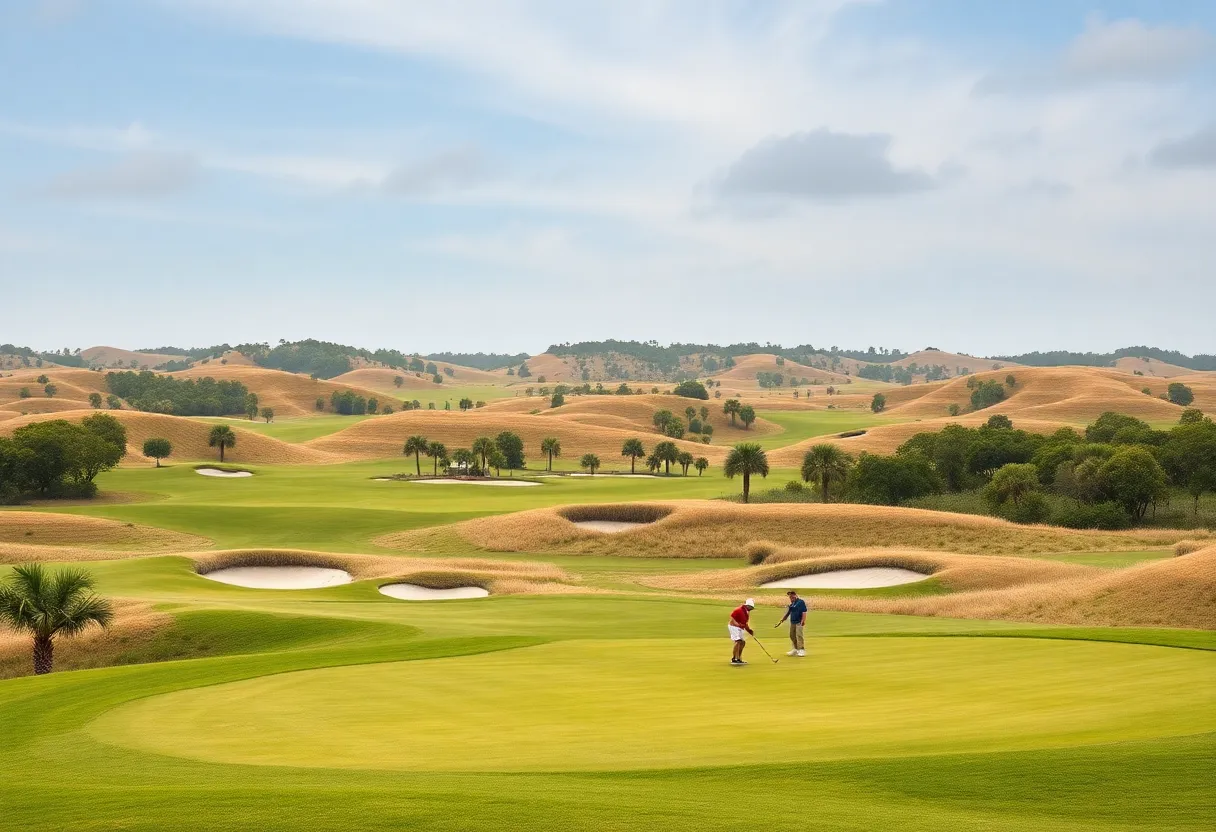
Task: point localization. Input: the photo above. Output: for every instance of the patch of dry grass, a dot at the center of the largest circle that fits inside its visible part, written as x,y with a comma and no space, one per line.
37,528
712,529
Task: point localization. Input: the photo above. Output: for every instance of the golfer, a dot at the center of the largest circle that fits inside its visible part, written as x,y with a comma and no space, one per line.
796,613
738,628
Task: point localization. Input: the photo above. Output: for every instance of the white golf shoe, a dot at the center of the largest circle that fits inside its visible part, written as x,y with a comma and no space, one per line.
792,653
800,652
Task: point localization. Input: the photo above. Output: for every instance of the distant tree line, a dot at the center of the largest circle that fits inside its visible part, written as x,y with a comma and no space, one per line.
479,360
155,393
1059,358
66,358
58,458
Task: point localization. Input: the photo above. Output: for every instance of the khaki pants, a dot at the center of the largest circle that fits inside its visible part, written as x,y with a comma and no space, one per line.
796,636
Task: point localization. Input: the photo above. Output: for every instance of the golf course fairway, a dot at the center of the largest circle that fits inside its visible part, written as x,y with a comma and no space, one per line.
610,705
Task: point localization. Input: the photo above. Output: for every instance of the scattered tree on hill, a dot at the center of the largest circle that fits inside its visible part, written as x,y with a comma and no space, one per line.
512,448
523,371
1193,416
50,390
437,379
668,453
747,459
694,425
157,449
42,379
438,452
747,415
221,437
113,402
691,390
1180,394
633,448
319,404
95,400
558,400
267,413
879,403
47,606
398,381
986,394
690,413
251,406
431,369
704,413
684,459
825,464
1011,381
551,447
953,409
591,462
999,421
540,379
731,408
707,431
661,419
701,463
23,393
466,404
417,446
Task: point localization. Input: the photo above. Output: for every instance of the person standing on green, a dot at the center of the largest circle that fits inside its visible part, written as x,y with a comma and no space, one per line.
796,613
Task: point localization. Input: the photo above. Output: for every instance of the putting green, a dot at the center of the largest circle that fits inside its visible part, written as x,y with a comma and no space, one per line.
605,705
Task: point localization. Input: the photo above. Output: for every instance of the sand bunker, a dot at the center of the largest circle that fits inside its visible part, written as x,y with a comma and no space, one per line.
217,472
280,577
506,483
608,526
869,577
413,592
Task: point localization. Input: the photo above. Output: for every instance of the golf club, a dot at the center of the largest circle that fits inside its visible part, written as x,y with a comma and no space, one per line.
762,647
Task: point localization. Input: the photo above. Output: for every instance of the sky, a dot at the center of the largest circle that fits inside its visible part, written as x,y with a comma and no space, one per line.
988,178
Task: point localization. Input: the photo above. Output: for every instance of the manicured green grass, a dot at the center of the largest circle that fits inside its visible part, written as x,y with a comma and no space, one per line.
300,429
800,425
1110,560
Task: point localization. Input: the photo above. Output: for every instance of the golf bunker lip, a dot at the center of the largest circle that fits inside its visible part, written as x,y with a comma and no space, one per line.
504,483
609,526
220,472
865,577
279,577
403,591
616,476
613,518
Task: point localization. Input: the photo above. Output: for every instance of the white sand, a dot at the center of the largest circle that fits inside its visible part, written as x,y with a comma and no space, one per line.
505,483
608,526
413,592
280,577
216,472
868,577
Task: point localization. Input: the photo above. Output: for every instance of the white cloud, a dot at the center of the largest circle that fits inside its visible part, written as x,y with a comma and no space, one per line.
1197,150
137,176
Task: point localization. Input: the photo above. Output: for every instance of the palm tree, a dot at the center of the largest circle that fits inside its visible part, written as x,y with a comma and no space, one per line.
704,414
221,437
668,453
653,463
496,460
437,451
417,446
464,459
731,408
701,464
552,447
482,446
591,462
46,606
633,448
747,415
747,458
684,459
825,464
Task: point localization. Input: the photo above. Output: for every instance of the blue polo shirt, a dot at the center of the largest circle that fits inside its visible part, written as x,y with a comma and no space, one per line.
798,612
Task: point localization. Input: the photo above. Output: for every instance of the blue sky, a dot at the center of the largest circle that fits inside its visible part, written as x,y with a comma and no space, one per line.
502,175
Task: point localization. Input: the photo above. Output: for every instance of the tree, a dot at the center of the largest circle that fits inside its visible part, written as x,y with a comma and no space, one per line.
95,400
398,381
890,480
653,464
50,390
512,448
437,451
268,413
1178,393
1012,484
747,415
704,413
684,459
251,406
552,448
464,459
523,371
1133,478
319,404
690,413
1193,416
953,409
747,459
113,402
417,446
373,404
661,419
879,403
668,453
700,463
1189,457
674,429
483,446
999,421
47,606
43,379
633,448
591,462
731,408
1011,381
466,404
221,437
157,449
496,460
691,390
825,464
437,379
558,400
986,394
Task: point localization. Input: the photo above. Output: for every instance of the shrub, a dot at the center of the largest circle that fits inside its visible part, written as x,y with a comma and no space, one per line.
1075,515
691,390
1180,394
879,403
986,394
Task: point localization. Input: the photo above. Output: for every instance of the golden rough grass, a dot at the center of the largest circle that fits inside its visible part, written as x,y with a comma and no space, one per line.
386,435
114,356
134,623
1150,368
43,405
37,528
290,394
1176,592
189,439
73,383
952,361
713,529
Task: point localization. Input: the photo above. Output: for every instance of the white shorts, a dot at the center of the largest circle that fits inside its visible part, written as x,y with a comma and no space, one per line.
736,633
